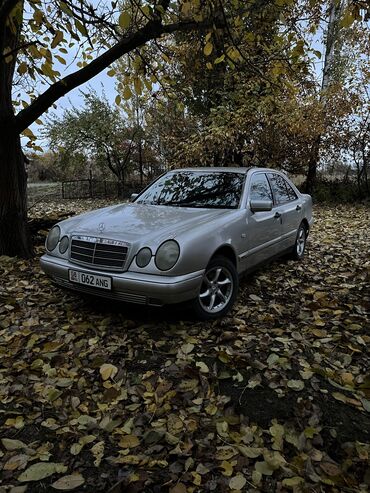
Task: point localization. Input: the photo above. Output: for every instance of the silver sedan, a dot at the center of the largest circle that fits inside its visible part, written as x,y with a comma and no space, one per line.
185,238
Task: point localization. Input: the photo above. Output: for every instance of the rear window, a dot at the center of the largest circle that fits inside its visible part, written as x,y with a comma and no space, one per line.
283,192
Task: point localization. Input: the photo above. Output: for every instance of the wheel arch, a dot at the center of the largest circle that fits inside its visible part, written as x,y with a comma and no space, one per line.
226,251
306,225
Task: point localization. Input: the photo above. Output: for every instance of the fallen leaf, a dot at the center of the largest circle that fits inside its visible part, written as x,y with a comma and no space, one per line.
296,385
237,482
108,371
129,441
41,470
68,483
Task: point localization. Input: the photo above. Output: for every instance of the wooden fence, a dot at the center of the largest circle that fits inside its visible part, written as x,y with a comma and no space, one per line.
83,189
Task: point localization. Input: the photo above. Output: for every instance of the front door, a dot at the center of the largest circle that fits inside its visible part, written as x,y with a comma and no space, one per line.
263,229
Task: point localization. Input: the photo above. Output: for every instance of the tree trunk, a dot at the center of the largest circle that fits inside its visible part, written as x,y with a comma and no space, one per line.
141,170
332,45
312,166
15,238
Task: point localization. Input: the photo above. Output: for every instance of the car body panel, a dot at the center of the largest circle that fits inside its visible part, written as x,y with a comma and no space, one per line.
248,238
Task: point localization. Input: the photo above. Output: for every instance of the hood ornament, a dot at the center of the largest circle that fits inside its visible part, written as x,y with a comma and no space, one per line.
101,227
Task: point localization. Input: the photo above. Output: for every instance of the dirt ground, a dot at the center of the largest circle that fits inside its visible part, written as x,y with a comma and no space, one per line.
98,396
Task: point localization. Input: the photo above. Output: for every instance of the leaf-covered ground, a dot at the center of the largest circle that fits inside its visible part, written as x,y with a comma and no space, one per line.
275,398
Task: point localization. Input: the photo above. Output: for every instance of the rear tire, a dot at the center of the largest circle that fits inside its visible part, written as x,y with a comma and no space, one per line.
218,290
300,243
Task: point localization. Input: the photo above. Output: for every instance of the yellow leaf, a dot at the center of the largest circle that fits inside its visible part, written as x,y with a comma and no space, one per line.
250,452
28,133
211,409
220,59
339,397
22,68
291,483
38,16
108,371
17,422
263,468
237,482
10,444
124,20
148,84
174,424
80,27
98,451
68,483
76,448
117,99
57,39
203,368
227,468
178,488
129,441
16,462
41,470
296,385
347,20
138,85
127,93
208,48
60,59
225,452
197,478
187,348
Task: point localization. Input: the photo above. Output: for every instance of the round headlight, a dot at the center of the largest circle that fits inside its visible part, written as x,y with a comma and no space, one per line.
53,238
143,257
167,255
64,244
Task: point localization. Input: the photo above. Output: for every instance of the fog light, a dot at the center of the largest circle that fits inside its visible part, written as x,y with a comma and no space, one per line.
143,257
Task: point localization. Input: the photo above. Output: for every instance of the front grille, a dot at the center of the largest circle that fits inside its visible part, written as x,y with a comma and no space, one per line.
99,252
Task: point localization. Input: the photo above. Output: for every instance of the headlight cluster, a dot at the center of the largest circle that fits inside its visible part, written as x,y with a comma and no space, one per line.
53,240
165,258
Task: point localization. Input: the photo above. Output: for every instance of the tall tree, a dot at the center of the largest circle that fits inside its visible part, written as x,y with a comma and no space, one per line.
333,41
98,131
35,32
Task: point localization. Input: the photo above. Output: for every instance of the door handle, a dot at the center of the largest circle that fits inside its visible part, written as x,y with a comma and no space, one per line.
298,208
277,215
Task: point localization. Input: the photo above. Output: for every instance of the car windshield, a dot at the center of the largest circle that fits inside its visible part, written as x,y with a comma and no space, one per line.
221,190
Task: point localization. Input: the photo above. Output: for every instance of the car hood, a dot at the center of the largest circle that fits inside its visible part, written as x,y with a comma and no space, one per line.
131,222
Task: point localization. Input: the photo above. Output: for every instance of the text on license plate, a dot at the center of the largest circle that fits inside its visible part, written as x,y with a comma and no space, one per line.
93,280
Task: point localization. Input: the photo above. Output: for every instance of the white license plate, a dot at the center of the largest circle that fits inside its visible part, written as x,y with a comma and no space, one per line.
102,282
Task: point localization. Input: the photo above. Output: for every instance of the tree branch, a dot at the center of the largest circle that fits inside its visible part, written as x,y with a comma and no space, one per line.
152,30
18,48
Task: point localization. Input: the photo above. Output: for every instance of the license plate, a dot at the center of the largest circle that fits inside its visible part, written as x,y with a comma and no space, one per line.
102,282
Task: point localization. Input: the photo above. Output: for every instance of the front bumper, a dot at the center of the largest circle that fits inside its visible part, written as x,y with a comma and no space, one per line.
133,287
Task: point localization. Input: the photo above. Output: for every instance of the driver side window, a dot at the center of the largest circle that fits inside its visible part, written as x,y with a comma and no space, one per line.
260,188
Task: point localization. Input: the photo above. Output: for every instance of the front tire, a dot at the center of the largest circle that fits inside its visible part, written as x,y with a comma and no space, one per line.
300,243
218,290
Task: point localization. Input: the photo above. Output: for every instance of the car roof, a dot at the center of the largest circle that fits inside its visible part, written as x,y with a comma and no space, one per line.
215,169
231,169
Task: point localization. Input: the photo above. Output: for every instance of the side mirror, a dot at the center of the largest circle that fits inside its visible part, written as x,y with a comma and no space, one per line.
133,196
260,205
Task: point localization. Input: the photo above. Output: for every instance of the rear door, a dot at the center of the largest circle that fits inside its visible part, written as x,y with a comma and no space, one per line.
263,231
289,205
